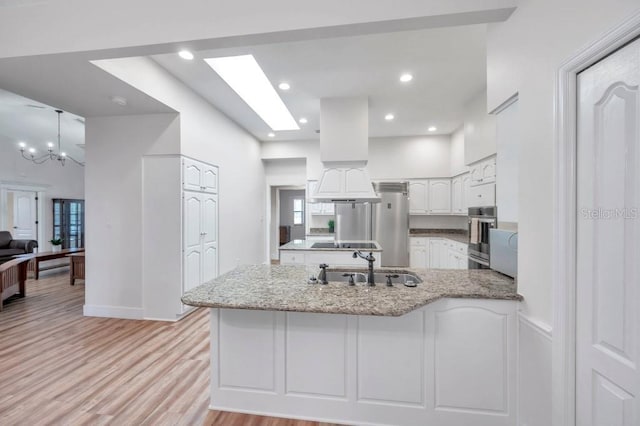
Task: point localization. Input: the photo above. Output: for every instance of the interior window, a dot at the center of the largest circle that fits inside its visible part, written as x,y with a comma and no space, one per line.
298,211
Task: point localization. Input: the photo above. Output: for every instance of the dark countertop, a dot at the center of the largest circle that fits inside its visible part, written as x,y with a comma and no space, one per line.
285,288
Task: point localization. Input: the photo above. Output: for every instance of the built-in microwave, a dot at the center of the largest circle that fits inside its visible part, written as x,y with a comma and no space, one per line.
481,220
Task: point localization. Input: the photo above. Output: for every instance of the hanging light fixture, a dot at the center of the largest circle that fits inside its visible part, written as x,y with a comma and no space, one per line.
58,155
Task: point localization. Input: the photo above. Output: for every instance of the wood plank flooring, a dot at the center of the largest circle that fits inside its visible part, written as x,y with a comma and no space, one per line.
59,367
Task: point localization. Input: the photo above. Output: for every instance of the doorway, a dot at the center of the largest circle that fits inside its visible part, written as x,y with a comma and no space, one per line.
592,322
292,215
22,213
608,241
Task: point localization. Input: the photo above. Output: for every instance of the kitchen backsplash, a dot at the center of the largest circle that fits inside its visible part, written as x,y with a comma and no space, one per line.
438,222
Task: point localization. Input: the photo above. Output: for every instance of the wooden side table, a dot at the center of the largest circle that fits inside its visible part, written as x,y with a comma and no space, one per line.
76,270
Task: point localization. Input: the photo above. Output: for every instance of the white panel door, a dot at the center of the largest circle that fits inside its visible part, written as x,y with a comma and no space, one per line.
608,242
192,210
209,226
440,196
24,215
418,197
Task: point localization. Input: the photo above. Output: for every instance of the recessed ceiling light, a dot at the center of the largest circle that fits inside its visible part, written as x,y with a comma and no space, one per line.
185,54
119,100
389,117
432,128
284,86
405,78
271,135
302,120
246,78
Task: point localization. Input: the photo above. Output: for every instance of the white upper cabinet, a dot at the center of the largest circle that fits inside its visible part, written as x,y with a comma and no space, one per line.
457,204
418,190
466,192
199,176
483,171
439,196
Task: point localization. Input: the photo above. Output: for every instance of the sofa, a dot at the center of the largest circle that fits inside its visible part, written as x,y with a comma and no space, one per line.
10,247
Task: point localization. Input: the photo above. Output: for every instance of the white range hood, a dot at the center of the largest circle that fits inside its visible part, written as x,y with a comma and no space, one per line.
344,151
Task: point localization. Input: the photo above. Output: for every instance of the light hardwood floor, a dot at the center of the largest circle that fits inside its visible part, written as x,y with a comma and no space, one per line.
58,367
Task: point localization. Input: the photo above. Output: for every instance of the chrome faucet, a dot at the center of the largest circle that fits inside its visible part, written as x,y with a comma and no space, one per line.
322,276
370,259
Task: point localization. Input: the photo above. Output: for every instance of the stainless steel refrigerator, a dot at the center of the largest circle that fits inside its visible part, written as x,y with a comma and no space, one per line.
391,222
386,222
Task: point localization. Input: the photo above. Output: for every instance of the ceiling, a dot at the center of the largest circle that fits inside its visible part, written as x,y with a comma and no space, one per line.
448,66
25,120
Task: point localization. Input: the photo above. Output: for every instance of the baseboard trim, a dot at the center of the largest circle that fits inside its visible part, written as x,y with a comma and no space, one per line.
106,311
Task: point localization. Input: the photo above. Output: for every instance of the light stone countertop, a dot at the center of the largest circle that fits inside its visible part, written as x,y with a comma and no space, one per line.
306,245
285,288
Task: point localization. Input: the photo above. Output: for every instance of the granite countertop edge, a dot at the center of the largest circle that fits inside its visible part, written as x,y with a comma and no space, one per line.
288,294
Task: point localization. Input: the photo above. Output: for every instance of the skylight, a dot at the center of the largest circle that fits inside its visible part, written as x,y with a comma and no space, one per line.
246,78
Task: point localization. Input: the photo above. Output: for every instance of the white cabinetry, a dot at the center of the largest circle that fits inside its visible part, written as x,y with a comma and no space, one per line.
437,253
430,196
439,196
418,252
483,171
334,259
418,190
482,195
449,363
180,246
460,187
199,176
200,238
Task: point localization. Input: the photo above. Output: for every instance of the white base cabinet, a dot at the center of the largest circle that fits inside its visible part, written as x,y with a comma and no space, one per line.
437,253
449,363
332,258
180,246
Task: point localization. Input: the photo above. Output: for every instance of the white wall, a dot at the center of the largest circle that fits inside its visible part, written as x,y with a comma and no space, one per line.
208,135
115,146
508,163
61,182
458,165
523,56
409,157
389,158
479,130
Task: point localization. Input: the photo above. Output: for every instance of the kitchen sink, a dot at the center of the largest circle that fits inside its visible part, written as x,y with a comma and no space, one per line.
380,278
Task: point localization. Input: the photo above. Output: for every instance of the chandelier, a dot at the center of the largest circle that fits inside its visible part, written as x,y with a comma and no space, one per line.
58,155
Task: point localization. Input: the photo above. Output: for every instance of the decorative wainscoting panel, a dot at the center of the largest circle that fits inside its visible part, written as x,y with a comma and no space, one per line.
246,349
391,359
471,367
316,354
534,372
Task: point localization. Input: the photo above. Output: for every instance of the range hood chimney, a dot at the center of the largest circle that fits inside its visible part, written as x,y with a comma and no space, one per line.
344,151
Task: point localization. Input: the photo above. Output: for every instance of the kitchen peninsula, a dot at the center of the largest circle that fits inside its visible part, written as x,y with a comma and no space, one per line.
439,353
